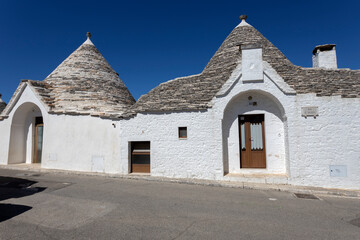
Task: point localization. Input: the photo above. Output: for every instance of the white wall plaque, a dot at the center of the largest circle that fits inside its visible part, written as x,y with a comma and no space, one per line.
252,65
309,111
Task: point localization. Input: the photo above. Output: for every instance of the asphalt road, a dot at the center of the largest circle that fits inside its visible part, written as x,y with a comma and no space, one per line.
65,206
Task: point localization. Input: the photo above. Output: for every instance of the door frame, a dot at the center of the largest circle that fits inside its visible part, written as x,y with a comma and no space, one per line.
143,150
263,164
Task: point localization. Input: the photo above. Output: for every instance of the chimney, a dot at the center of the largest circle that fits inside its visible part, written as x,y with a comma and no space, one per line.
324,56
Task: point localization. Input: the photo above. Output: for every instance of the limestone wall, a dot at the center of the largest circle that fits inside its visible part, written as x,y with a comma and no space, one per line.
198,156
330,139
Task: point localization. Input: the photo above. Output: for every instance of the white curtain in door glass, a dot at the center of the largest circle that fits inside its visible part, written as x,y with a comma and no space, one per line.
242,132
256,136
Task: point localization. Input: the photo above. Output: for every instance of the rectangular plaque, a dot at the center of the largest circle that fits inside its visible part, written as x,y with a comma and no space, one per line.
309,111
338,171
252,65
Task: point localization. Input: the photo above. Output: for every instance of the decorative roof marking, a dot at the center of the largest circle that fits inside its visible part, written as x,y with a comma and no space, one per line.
13,100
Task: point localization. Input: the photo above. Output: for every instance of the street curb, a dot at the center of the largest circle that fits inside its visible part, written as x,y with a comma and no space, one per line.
212,183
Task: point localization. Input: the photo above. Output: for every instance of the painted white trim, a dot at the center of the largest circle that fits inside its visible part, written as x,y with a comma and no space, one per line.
243,23
270,72
88,41
233,79
16,98
277,79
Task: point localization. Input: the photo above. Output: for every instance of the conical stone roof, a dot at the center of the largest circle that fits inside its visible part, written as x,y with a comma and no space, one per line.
85,83
196,92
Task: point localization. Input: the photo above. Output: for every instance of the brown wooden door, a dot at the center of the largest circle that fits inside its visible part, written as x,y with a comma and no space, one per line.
252,141
38,139
140,157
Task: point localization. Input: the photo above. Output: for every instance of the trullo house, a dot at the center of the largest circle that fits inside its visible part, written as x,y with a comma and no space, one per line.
250,115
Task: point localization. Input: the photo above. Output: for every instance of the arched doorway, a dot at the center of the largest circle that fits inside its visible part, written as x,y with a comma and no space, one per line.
254,134
26,137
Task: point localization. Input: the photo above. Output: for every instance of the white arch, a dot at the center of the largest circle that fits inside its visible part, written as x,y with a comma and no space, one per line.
257,91
275,126
22,133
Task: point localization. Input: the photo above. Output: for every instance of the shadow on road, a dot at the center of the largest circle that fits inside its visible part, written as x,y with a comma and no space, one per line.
15,188
8,211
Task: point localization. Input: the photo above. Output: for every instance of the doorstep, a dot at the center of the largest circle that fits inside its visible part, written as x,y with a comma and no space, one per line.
257,178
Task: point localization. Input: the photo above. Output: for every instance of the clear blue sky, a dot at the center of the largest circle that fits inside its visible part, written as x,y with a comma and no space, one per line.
150,42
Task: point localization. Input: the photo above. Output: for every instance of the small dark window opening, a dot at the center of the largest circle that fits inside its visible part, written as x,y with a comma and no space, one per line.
182,132
38,120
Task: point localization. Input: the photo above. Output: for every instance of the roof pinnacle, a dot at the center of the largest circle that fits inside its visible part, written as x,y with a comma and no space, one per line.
88,35
243,17
243,21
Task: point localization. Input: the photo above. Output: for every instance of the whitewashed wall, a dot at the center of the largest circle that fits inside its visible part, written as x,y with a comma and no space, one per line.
202,155
332,138
4,140
81,143
198,156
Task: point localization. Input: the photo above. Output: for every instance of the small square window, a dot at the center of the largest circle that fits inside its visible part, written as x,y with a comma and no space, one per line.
182,132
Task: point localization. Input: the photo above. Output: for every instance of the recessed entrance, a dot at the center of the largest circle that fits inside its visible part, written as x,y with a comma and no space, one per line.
140,157
252,141
27,134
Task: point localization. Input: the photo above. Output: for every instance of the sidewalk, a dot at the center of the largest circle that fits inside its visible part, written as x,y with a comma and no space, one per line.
216,183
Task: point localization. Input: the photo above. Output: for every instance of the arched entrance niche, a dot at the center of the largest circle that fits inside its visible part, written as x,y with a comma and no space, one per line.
26,135
267,108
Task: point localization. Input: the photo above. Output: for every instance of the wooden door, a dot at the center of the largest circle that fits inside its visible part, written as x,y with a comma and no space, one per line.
252,141
39,129
140,157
